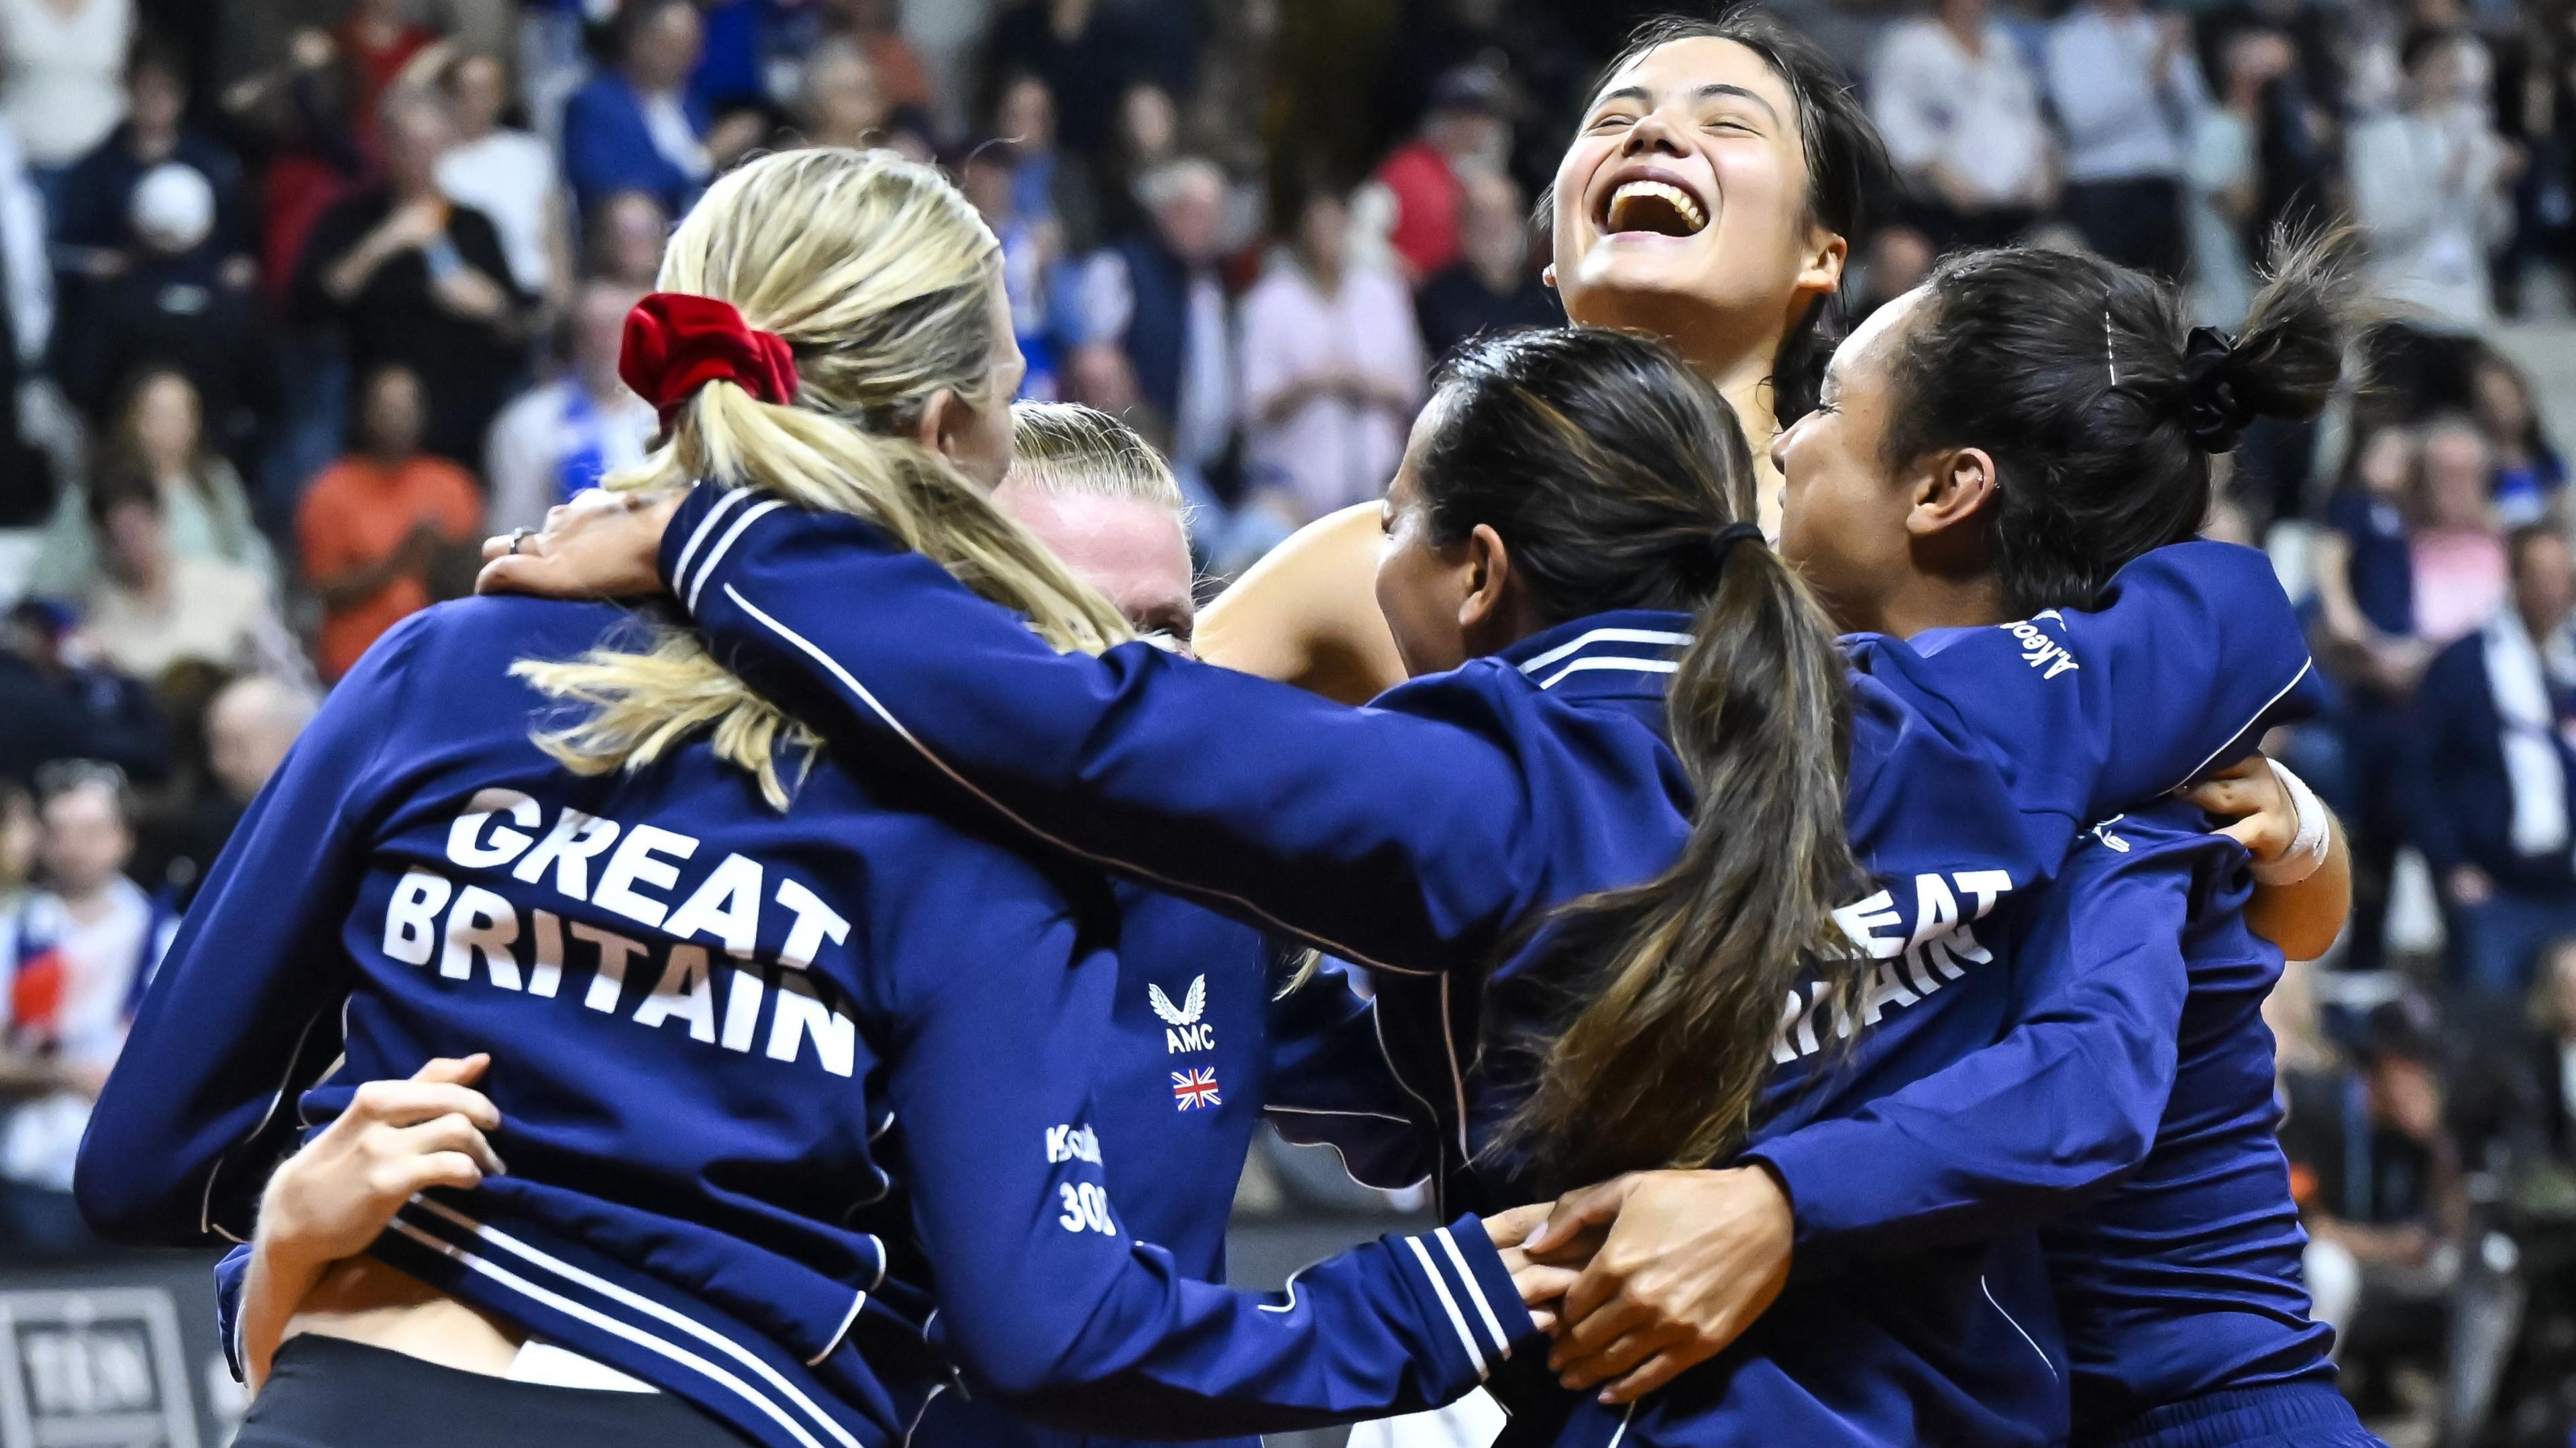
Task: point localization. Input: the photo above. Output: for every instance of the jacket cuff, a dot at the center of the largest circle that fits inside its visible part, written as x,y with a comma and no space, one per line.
1472,1314
1809,1164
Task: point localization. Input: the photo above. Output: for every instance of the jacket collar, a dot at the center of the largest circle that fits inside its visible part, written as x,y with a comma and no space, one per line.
1626,651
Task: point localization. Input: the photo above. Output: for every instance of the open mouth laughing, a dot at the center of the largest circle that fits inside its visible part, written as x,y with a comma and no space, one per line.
1654,206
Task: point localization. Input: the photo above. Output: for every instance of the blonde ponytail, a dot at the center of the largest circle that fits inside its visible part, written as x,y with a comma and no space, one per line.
883,281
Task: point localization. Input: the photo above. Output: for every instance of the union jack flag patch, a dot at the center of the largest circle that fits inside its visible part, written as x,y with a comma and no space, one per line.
1191,1089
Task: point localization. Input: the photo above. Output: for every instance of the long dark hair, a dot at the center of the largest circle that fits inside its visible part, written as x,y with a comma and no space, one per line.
1847,167
1612,472
2099,401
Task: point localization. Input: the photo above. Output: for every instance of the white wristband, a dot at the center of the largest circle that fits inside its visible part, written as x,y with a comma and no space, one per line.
2307,852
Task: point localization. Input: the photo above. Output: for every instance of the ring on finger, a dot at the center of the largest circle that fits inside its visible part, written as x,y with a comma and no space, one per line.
519,536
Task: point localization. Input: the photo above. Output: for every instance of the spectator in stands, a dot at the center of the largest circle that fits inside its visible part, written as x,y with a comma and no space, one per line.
2457,543
1494,286
633,126
840,103
506,173
2428,189
2365,571
735,46
95,233
1050,186
61,64
20,833
374,523
83,944
415,279
55,703
298,111
2378,1182
168,310
985,171
153,607
1149,134
1156,295
26,273
562,436
627,234
2126,88
2520,1117
875,24
1896,260
1332,372
1463,133
375,41
250,722
249,727
2490,774
2529,473
2225,174
1960,112
1533,47
159,438
1085,52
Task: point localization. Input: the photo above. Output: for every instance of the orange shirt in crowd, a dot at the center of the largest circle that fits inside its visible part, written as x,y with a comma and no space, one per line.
356,513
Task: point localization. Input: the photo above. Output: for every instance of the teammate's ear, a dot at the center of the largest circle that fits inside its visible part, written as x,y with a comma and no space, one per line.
1952,490
1822,271
1547,276
1489,573
941,418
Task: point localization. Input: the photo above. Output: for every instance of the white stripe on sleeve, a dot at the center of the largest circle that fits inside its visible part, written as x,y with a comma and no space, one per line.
1457,1319
698,535
716,554
1476,1291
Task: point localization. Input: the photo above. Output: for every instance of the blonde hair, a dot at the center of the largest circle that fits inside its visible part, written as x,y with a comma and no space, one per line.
882,279
1065,447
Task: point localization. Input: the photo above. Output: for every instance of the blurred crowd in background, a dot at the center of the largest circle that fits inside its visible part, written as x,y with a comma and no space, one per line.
299,299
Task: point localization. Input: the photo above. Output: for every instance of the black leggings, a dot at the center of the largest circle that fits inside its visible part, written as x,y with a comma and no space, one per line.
326,1392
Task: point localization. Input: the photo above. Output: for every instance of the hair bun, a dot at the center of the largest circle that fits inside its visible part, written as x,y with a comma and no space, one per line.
2212,410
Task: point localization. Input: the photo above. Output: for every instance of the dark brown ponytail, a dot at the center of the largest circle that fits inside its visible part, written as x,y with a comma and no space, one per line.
1617,478
1663,1064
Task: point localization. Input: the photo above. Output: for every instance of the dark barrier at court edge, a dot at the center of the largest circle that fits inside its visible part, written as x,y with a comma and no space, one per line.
121,1354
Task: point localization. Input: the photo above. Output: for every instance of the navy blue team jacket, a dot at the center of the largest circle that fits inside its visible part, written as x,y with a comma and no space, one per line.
2186,1280
1413,835
2172,1241
1196,992
770,1080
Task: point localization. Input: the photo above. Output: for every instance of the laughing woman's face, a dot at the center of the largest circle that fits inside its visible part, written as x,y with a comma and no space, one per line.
1681,207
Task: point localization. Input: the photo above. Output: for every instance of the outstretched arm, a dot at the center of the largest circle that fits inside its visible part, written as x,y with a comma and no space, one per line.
1396,840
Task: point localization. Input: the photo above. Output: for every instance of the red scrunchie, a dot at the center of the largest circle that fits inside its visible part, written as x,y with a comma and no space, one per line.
676,343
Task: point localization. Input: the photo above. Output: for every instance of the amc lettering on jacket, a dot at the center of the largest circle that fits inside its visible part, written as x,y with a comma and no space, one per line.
722,991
